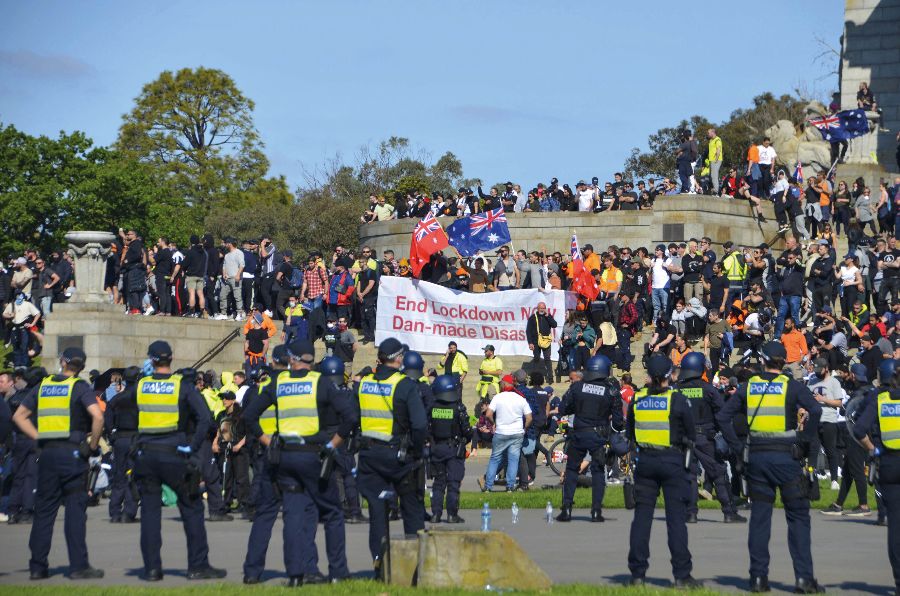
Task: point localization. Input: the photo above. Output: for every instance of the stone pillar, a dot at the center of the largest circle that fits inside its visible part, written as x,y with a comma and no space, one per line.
89,250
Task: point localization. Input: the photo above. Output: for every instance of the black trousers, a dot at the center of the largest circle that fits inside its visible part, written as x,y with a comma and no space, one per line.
853,470
164,294
829,434
540,354
236,479
121,499
448,470
247,293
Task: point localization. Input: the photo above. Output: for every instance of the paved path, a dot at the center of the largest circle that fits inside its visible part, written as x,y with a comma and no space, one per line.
850,555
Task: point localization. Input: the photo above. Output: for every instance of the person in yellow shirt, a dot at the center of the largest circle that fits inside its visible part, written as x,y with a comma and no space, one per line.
455,363
714,157
491,370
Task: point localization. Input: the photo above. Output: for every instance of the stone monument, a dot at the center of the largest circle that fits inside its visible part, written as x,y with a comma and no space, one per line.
89,251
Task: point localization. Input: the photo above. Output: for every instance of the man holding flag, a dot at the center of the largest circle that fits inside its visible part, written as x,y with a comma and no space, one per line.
479,233
582,281
839,128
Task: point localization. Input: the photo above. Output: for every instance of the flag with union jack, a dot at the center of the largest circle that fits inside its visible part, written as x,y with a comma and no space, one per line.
428,238
484,232
842,126
798,172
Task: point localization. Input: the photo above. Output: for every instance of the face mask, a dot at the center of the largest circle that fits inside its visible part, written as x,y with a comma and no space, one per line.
292,304
342,326
20,299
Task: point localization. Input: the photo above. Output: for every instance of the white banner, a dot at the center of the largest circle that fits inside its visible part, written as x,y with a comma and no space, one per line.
427,316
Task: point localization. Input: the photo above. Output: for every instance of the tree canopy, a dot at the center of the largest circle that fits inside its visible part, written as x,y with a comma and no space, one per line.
196,128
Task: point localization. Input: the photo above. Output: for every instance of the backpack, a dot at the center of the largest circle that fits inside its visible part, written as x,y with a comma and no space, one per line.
296,281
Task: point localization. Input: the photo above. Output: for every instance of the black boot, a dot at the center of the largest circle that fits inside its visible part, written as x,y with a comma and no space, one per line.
808,586
691,518
688,583
759,584
597,515
565,514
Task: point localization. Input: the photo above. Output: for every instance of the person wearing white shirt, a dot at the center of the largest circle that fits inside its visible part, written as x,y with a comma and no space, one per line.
767,157
660,281
585,198
511,415
828,392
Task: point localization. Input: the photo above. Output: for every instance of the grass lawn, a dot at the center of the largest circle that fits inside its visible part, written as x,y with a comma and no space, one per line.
349,587
614,499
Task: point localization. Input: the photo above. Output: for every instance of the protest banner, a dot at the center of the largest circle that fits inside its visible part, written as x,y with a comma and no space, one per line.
427,316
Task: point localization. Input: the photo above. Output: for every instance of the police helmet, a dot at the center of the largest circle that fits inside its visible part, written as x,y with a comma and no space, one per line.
692,366
332,366
597,367
886,371
444,384
34,375
413,361
189,375
659,366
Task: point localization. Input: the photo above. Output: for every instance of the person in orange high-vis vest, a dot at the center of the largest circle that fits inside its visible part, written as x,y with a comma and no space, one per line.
610,278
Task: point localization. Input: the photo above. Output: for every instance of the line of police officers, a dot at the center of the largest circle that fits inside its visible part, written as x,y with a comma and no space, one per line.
304,419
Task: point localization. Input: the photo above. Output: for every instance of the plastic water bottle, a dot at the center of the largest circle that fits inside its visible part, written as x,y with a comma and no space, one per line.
486,518
515,513
548,512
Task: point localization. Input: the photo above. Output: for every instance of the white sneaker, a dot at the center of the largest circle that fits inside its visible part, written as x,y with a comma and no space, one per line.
220,317
835,485
240,316
3,518
268,313
150,310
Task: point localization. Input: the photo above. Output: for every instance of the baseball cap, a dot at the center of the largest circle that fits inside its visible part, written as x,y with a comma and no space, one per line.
520,376
300,348
489,347
774,349
661,247
159,350
280,354
508,380
823,242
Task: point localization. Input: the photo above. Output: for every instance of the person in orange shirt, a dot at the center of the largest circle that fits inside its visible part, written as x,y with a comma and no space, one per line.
754,174
610,278
680,351
591,259
795,345
266,324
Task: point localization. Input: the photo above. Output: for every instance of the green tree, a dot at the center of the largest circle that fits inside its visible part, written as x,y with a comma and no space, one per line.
197,128
50,186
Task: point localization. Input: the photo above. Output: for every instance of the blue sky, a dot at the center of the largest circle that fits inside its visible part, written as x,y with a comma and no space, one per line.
521,90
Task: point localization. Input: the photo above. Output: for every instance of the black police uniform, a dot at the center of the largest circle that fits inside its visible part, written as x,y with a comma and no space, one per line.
449,432
306,499
661,466
158,461
706,402
62,477
345,471
596,405
122,424
881,409
24,464
774,463
380,465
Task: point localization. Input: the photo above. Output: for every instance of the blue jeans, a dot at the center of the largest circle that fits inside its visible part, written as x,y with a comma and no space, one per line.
787,301
660,298
512,446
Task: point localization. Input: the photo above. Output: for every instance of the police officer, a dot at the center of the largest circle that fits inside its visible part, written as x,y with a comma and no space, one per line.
597,404
706,401
122,423
266,497
168,406
877,428
313,417
210,471
69,425
774,405
24,455
332,368
393,431
660,423
449,433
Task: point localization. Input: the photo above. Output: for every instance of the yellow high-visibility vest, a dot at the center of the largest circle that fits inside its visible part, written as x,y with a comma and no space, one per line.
735,267
651,419
54,408
376,406
297,414
889,420
157,402
770,397
268,420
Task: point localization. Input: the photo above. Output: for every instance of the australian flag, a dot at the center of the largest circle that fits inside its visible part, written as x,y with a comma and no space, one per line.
479,233
842,126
